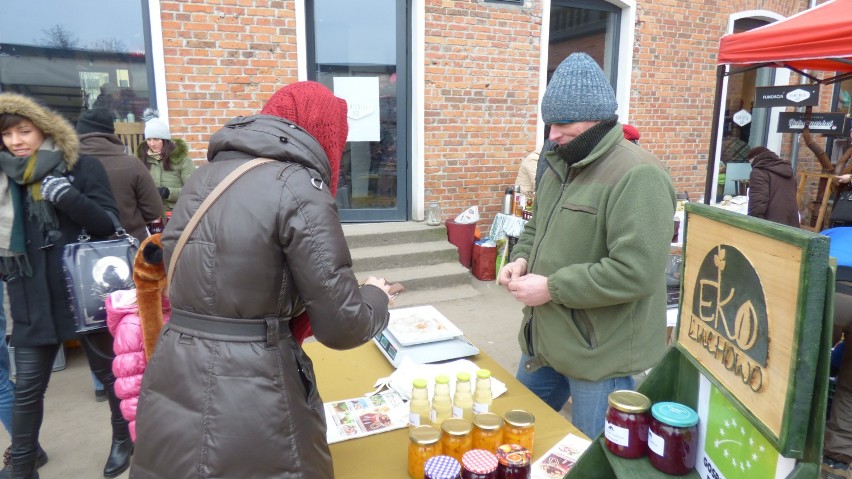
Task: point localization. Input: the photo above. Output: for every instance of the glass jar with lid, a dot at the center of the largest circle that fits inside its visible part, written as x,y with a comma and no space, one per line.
423,442
513,462
519,428
479,464
487,431
626,424
672,438
433,214
442,467
456,437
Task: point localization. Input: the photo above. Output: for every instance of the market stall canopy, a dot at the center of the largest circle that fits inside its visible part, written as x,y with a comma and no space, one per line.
816,39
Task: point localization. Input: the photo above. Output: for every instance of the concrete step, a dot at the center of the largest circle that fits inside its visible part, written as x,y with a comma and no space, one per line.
390,256
416,278
378,234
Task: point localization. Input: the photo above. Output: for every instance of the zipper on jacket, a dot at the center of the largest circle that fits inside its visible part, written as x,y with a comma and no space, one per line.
534,249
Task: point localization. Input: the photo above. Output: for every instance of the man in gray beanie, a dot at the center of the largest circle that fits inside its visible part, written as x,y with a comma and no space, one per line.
590,264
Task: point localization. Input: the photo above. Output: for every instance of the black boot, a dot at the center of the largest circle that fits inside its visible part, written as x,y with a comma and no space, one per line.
119,456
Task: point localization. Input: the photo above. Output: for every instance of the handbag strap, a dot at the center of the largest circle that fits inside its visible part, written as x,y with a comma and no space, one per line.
205,205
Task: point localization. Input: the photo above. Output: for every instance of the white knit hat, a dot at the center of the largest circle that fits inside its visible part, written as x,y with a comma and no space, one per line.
155,127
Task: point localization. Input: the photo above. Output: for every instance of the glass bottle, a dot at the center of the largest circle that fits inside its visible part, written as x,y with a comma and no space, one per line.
418,414
463,397
433,214
482,397
424,442
442,405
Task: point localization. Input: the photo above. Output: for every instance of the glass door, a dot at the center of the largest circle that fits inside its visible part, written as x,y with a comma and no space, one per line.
359,50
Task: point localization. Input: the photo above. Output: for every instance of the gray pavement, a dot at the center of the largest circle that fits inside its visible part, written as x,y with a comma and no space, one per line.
76,429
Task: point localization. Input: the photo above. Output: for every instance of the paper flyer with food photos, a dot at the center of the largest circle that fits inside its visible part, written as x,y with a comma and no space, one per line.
364,416
556,462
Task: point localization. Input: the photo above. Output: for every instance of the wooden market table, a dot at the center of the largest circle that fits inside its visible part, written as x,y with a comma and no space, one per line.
348,374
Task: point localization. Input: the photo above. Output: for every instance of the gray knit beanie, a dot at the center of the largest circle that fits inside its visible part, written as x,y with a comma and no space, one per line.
578,91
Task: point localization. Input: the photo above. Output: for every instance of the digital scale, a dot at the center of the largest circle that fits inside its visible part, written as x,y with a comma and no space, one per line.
423,335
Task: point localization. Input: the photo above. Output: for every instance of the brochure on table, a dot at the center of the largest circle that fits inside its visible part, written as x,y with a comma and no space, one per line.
365,416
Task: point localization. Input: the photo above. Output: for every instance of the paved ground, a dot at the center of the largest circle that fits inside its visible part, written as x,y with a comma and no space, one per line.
76,430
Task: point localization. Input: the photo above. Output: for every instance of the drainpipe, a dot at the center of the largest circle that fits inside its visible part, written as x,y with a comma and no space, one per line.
794,156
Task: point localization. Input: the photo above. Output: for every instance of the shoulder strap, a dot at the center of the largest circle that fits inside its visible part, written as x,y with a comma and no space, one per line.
205,205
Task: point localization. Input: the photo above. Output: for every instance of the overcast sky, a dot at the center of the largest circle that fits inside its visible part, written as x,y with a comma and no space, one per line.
24,21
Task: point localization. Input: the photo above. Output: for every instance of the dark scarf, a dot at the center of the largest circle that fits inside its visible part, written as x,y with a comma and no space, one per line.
23,183
580,147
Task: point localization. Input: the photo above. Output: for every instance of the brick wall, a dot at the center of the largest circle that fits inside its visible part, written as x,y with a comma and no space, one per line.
481,83
481,90
224,59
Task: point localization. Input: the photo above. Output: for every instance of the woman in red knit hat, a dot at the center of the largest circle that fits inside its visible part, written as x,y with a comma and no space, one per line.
229,392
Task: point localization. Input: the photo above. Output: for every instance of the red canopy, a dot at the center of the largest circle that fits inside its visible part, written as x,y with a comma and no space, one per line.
816,39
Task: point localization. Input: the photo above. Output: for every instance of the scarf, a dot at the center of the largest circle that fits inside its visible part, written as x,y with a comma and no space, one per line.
26,176
580,147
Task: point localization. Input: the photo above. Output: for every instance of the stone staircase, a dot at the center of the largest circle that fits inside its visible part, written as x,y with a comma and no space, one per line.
416,255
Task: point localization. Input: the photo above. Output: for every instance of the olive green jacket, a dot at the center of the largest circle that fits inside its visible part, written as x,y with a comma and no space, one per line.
601,233
174,179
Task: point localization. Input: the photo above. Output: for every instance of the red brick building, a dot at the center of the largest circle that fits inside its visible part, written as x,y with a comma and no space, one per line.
444,92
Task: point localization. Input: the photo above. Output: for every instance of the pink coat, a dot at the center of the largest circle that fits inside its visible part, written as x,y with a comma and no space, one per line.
129,363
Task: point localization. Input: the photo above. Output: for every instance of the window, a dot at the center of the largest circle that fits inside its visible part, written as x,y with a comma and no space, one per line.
590,26
73,56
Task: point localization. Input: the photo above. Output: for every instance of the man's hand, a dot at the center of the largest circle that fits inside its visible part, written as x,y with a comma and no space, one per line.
530,289
515,269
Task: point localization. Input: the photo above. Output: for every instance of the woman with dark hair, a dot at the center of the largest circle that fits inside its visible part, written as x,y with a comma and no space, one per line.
48,195
165,158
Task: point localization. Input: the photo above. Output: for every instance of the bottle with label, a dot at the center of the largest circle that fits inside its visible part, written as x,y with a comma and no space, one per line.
442,405
418,414
482,397
520,202
463,398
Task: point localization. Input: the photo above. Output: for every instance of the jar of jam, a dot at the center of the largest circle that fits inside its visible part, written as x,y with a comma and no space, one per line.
626,424
519,428
479,464
513,462
442,467
456,437
487,431
423,442
673,438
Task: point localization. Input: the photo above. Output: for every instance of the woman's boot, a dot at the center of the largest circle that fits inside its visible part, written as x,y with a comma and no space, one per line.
121,450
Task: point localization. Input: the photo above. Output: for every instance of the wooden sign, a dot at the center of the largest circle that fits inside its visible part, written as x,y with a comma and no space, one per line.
749,289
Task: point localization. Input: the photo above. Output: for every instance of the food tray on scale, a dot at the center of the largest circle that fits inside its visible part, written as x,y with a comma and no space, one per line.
420,325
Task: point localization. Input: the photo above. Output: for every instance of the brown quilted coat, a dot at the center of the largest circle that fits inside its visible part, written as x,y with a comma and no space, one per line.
271,245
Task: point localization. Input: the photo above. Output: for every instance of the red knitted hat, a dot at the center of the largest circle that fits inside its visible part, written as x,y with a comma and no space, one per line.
315,108
630,132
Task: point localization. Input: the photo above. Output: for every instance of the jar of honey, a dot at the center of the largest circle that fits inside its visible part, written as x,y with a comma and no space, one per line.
513,462
519,428
479,464
456,437
487,431
673,438
442,467
626,424
423,442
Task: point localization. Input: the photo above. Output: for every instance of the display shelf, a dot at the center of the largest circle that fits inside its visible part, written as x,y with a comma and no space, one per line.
637,468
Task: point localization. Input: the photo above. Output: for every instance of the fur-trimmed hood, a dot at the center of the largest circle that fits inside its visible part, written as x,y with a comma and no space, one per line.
52,124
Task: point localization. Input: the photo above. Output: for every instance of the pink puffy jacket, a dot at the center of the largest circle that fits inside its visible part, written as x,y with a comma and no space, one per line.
129,363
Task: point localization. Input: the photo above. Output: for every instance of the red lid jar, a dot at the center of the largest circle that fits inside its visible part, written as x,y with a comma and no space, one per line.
626,425
673,438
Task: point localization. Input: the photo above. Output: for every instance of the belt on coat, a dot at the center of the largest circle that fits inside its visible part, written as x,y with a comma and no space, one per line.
270,329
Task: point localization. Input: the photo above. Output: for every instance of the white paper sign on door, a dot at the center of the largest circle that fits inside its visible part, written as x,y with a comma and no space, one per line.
362,97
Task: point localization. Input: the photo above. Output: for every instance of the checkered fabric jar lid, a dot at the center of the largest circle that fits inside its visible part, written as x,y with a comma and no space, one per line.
479,461
442,467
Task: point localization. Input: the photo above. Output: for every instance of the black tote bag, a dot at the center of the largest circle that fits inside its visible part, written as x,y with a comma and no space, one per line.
93,269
